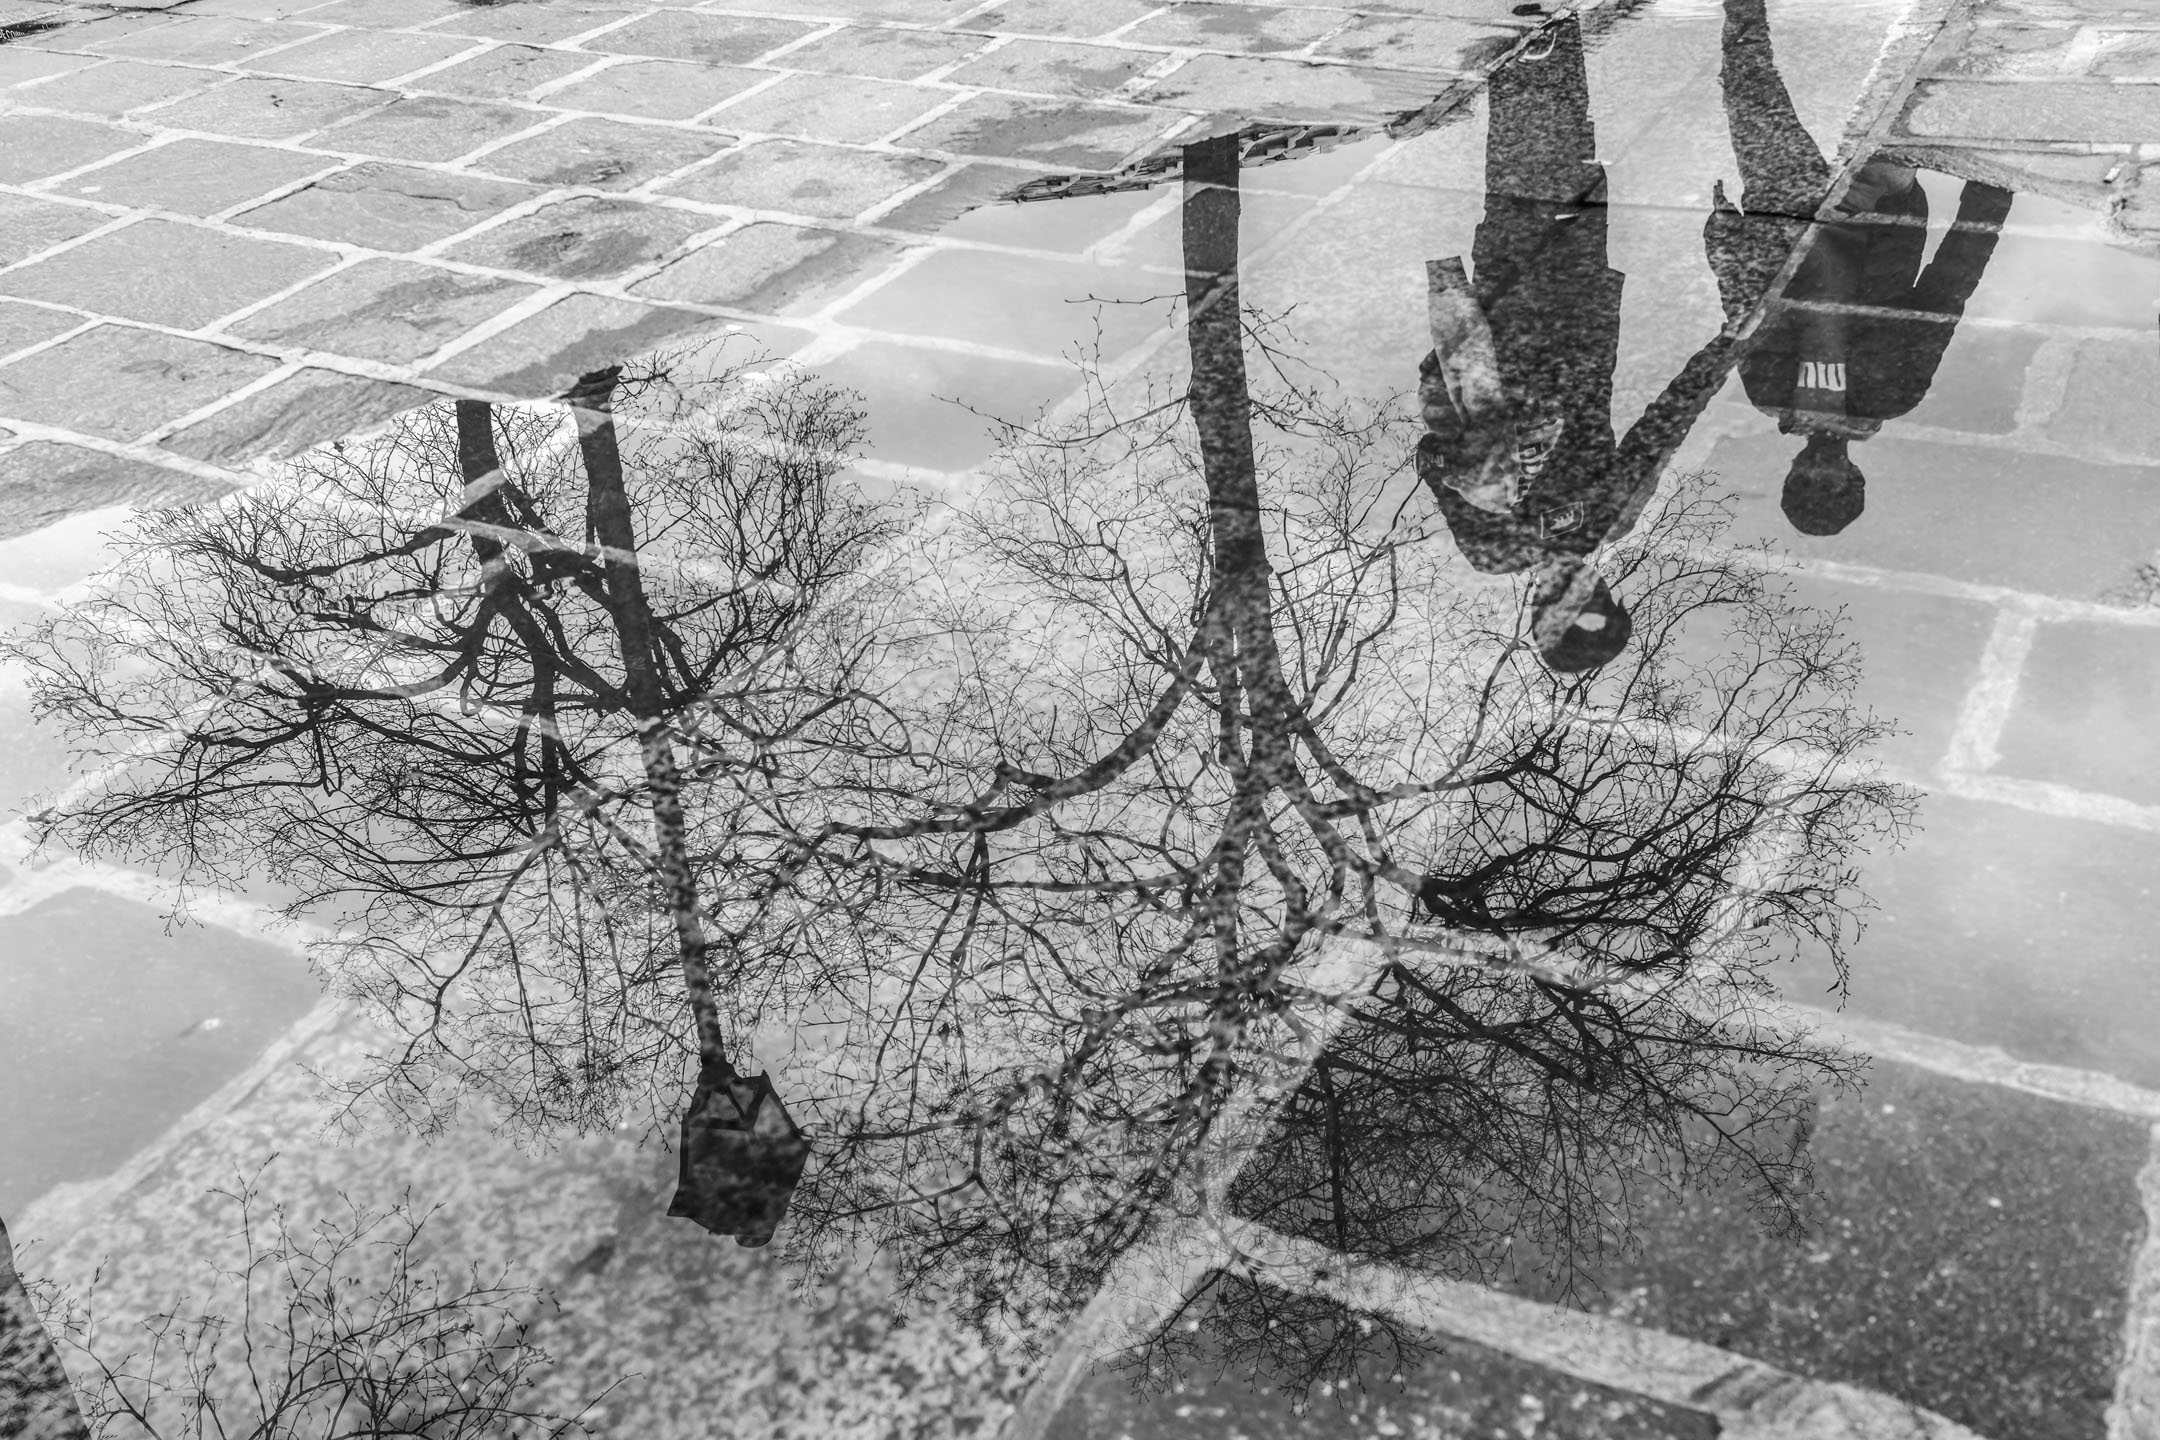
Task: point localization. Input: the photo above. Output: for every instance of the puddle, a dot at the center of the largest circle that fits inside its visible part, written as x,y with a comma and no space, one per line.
1348,694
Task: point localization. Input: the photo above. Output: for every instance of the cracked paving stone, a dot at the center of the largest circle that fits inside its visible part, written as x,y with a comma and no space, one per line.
71,385
387,207
394,311
581,239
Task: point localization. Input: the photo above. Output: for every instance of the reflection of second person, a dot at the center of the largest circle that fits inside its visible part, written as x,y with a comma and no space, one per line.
1857,335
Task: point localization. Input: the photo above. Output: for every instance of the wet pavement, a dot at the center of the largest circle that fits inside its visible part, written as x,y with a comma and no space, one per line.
1455,741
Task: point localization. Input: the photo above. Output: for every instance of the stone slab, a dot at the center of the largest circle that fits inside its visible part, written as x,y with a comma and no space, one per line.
393,311
2084,716
884,54
847,109
165,272
42,482
540,357
387,207
1056,133
504,72
194,177
360,57
115,87
29,225
26,325
707,39
1046,67
1282,89
769,268
262,108
425,127
33,147
307,408
120,382
824,182
586,238
2010,927
654,89
2082,110
603,154
1969,1254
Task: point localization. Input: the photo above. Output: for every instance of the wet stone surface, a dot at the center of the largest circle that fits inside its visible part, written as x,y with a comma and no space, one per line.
862,759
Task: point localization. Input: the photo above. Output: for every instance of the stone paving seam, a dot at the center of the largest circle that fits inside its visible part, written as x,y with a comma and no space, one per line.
1993,693
1751,1399
2046,797
2135,1411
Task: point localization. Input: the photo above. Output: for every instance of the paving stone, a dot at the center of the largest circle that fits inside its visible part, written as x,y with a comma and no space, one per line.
1981,381
212,40
87,34
35,146
688,35
1057,17
1919,655
25,325
19,63
1406,43
1970,512
116,87
1454,1390
1292,90
800,179
604,154
394,311
28,225
504,72
166,273
1060,225
951,433
2087,110
42,482
923,12
540,357
830,107
777,269
1969,1254
659,89
2108,404
2084,711
159,378
307,408
194,177
586,238
1054,132
383,14
2009,50
883,54
387,207
1247,29
532,24
963,189
251,9
426,127
1044,307
360,56
1052,67
2012,927
2130,55
259,108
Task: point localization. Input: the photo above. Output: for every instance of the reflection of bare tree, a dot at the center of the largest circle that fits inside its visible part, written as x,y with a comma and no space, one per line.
1169,829
36,1402
444,684
1242,723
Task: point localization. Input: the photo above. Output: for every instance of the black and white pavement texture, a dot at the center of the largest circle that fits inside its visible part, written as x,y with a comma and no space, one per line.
1558,1118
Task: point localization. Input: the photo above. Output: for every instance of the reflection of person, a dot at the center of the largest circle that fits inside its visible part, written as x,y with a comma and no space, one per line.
1833,375
1517,392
